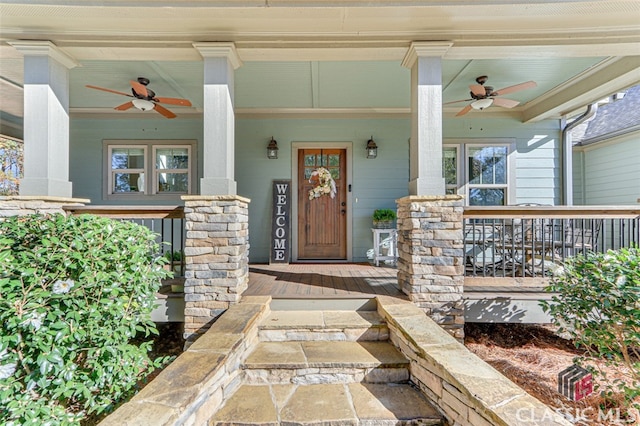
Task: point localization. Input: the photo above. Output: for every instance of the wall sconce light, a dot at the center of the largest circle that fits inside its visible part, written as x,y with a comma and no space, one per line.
372,148
482,103
272,149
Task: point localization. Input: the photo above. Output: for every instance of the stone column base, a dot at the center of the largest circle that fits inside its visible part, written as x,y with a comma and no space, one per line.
216,258
431,257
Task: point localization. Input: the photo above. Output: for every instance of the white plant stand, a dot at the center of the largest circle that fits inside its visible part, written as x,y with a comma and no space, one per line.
386,239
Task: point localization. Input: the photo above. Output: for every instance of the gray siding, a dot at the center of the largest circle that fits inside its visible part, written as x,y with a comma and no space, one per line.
376,183
85,158
537,155
611,172
578,178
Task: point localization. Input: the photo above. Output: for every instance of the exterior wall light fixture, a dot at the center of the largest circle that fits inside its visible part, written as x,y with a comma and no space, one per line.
272,149
372,148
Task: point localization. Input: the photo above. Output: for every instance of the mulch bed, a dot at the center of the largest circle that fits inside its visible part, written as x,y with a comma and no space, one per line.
532,356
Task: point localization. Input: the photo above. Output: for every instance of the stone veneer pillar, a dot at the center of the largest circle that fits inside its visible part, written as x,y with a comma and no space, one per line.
23,205
430,263
216,258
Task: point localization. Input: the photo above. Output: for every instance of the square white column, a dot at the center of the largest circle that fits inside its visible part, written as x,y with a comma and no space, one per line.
220,62
425,152
46,119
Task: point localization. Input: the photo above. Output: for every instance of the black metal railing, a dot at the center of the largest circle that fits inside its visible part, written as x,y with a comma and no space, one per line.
535,241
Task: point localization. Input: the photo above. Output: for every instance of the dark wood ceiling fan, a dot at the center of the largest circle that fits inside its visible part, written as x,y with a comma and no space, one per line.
144,98
484,96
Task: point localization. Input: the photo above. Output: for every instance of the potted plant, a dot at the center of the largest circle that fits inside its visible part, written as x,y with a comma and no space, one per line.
383,218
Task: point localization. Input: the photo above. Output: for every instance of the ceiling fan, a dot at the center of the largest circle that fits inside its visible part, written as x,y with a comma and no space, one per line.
484,96
144,98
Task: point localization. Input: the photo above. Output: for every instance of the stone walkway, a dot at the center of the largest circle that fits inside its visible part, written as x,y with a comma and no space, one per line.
344,404
326,367
263,362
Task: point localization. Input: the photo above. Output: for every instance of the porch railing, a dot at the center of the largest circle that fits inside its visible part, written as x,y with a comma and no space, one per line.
534,241
166,221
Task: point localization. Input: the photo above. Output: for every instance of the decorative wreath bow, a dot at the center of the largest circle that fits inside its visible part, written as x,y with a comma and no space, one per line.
325,185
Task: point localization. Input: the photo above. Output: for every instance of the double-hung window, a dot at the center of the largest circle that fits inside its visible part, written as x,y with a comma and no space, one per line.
135,169
483,173
171,171
127,169
487,180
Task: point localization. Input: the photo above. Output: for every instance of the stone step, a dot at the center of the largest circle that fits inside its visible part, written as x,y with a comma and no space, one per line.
325,325
312,362
327,404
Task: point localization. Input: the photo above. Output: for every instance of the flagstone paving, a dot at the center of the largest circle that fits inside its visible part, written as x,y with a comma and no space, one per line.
325,368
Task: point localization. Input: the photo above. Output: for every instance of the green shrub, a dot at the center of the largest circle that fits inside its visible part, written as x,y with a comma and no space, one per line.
74,292
598,305
383,214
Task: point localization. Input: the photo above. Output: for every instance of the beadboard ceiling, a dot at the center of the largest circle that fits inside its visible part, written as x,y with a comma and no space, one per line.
322,55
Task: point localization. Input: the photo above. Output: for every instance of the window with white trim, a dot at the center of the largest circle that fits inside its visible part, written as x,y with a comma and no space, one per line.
127,169
487,175
450,168
135,169
171,170
481,172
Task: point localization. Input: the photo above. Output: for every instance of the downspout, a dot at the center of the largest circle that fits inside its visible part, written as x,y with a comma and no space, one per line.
567,153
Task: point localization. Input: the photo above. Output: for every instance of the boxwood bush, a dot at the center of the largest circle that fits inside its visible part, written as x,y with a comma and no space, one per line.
597,302
74,292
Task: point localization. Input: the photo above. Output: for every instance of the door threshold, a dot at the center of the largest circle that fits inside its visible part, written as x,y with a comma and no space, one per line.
323,261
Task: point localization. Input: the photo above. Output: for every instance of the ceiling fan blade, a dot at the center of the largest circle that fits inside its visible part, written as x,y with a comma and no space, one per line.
478,90
455,102
173,101
516,88
140,89
464,110
505,103
124,106
162,110
108,90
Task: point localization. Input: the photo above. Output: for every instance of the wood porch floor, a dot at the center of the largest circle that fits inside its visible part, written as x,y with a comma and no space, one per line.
325,280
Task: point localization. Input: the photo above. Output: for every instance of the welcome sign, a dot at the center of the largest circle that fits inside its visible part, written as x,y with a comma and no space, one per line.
280,222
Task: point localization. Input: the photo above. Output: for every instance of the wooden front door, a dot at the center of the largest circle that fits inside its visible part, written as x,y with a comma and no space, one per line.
322,221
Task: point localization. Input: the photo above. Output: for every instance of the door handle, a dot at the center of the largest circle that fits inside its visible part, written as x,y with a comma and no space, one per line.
343,211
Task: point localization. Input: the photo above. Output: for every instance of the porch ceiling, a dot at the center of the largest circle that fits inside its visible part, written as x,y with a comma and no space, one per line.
577,51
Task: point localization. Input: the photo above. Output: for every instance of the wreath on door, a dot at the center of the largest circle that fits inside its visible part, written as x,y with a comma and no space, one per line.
324,184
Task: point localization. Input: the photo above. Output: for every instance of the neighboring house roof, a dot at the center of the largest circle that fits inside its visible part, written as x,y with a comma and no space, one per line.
612,119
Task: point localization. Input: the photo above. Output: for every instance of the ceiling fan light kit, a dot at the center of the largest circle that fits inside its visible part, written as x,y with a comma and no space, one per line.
481,104
482,97
144,99
143,105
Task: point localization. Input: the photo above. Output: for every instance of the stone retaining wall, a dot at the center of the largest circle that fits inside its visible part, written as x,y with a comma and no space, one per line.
194,386
21,205
467,390
216,258
431,257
